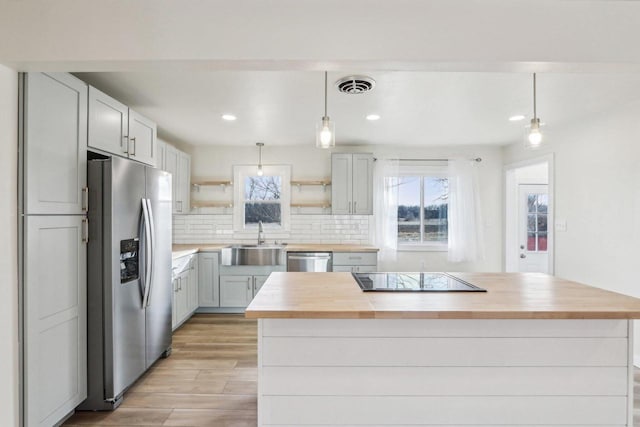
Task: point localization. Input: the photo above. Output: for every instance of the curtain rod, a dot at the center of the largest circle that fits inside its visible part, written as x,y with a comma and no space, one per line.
475,159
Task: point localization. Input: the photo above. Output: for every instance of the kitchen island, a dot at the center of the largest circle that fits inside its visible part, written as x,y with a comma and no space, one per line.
532,350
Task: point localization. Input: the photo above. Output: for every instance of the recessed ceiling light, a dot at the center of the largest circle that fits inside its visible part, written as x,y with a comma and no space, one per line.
228,117
373,117
516,118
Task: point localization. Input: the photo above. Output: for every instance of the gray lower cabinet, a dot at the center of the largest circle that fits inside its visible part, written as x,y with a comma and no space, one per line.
185,289
55,324
355,262
236,291
209,279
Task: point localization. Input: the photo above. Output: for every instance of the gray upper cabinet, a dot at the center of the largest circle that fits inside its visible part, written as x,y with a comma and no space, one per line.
54,144
108,123
142,138
115,128
352,184
179,165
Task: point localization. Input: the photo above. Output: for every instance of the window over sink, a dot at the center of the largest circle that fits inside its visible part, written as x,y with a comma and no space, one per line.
262,198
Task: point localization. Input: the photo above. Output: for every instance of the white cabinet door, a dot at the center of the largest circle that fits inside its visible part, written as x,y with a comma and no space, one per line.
341,173
55,144
171,166
258,281
193,283
236,291
362,181
209,279
184,182
182,298
161,149
142,138
108,123
55,309
174,302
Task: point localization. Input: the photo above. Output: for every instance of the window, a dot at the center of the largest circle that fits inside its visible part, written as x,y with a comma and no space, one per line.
537,207
422,211
261,198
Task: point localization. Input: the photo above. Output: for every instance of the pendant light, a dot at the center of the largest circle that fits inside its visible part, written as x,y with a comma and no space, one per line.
325,130
260,145
534,136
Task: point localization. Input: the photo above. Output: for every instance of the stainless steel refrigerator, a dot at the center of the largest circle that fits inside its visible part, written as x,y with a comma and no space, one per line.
129,276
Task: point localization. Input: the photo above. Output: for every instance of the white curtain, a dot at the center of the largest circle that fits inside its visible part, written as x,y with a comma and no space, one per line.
464,213
385,199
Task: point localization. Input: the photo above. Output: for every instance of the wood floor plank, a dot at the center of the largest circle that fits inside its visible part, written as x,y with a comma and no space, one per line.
121,416
198,364
241,387
211,418
189,401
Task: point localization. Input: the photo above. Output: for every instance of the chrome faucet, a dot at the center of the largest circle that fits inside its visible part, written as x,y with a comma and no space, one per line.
261,240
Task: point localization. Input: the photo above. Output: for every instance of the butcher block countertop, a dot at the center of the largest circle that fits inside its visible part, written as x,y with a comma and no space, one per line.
184,250
508,296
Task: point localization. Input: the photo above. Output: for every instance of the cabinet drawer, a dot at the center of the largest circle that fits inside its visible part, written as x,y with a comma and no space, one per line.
355,258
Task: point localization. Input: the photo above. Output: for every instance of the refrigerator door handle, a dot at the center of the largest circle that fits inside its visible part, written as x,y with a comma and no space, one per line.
147,250
151,252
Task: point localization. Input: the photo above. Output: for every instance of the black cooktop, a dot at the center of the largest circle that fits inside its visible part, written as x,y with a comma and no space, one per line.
413,282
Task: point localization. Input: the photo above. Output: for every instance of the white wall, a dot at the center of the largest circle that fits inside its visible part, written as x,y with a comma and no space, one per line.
597,193
8,248
311,163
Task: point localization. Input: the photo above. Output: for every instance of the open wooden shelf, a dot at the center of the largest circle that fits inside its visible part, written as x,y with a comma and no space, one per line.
222,184
301,183
212,204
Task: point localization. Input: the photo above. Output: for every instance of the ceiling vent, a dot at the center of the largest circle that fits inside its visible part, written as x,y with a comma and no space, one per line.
355,85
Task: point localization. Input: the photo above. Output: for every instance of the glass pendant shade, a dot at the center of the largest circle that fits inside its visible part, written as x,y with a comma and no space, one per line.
325,133
534,136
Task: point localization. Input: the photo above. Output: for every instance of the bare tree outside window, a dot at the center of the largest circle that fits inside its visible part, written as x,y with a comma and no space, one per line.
262,200
422,209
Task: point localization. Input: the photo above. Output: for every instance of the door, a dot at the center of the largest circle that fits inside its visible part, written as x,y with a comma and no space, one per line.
362,193
125,342
183,191
108,123
158,310
171,166
236,291
208,280
341,186
142,138
55,144
258,281
533,228
55,307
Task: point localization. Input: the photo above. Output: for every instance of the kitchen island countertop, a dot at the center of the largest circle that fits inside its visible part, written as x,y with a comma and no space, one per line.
508,296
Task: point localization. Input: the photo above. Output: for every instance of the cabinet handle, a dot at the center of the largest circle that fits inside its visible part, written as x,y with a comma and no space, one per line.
180,284
126,140
133,152
355,257
85,199
354,207
85,230
349,207
179,209
249,283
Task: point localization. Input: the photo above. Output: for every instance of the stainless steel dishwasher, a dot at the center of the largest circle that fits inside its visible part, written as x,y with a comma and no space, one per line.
309,261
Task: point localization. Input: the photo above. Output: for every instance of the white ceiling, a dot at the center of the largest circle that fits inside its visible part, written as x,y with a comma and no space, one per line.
417,108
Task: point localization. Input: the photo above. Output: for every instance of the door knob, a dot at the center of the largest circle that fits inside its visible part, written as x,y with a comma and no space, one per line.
523,256
521,246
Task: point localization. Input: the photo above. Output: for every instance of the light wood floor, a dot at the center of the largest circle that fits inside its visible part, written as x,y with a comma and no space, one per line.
209,380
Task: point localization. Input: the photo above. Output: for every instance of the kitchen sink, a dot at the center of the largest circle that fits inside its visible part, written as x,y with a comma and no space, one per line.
254,255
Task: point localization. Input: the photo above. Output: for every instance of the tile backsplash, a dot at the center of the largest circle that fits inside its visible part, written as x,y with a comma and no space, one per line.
218,228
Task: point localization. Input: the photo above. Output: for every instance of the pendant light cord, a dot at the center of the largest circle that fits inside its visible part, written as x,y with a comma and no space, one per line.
325,94
535,115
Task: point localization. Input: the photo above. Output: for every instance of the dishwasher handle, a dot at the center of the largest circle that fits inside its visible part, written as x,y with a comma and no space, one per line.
310,256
